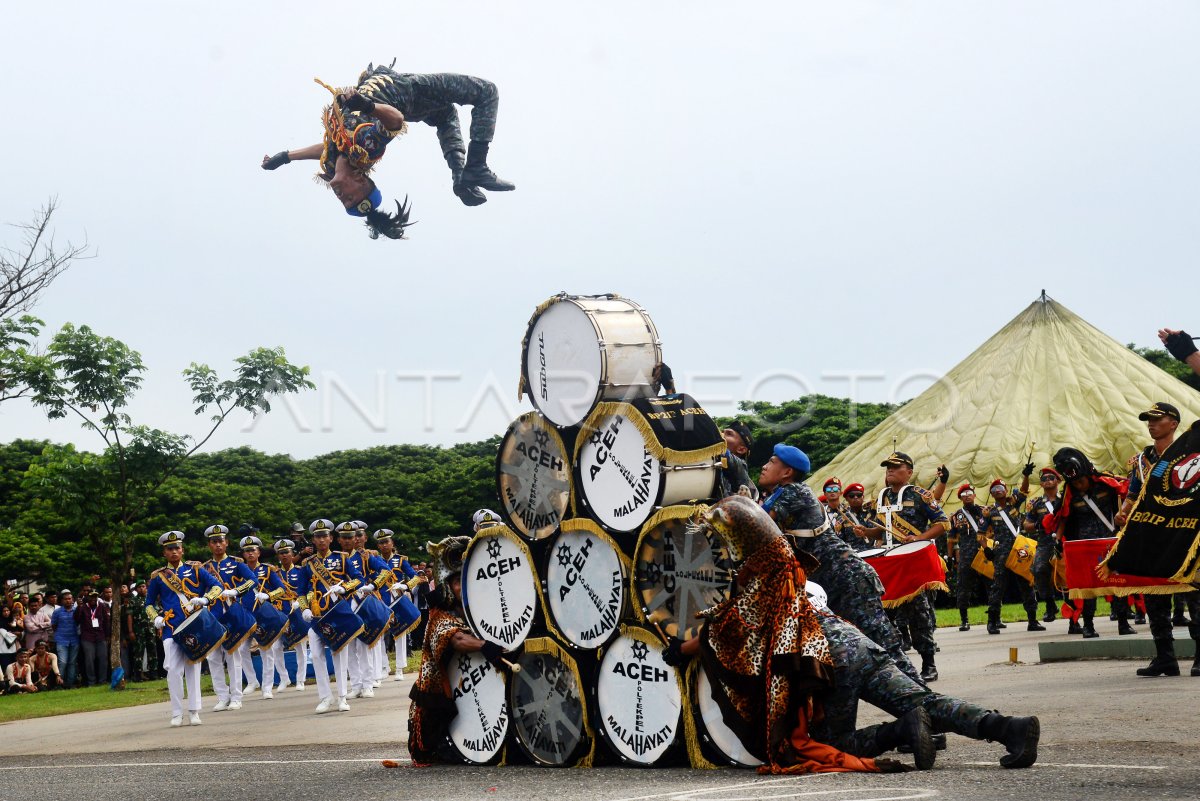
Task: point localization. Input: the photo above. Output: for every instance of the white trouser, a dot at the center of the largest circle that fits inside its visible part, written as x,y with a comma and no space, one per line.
401,653
220,660
380,657
272,660
181,672
301,649
341,667
359,670
247,662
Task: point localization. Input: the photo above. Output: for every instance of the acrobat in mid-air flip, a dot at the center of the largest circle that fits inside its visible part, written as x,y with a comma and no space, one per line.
362,120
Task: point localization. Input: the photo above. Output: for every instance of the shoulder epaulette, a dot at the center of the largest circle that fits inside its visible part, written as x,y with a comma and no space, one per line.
924,494
158,571
308,559
238,559
194,563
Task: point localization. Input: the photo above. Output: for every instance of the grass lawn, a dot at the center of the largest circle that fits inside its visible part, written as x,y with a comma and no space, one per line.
90,699
1009,613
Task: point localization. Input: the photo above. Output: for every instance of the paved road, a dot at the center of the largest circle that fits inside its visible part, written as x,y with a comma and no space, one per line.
1106,735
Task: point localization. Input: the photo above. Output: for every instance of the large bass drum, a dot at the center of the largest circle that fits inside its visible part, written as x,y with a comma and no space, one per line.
633,458
585,584
478,731
546,703
718,742
499,592
679,569
533,476
639,703
581,349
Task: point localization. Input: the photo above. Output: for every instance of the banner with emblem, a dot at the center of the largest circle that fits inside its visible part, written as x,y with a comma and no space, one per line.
1162,538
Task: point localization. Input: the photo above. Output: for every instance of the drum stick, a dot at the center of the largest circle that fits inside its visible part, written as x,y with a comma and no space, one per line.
513,666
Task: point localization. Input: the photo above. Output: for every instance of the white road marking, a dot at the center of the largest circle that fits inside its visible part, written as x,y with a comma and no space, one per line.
771,790
1076,765
203,763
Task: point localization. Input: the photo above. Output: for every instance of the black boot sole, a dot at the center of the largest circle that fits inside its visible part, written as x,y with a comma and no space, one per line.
1028,753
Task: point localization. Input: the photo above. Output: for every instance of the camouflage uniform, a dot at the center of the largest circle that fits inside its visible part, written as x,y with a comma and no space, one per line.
966,577
1003,541
921,511
433,100
734,475
844,520
851,584
864,671
1043,571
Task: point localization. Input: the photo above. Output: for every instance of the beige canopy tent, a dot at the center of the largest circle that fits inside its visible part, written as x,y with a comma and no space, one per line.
1048,377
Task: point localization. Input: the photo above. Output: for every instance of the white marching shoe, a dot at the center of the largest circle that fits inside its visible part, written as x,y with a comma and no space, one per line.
194,719
221,706
177,721
326,705
235,704
299,686
377,683
366,692
342,705
268,695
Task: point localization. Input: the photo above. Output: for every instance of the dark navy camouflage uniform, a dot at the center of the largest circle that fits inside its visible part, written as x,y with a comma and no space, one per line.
852,585
1003,541
844,521
432,99
734,475
1043,570
921,511
1158,607
966,577
864,671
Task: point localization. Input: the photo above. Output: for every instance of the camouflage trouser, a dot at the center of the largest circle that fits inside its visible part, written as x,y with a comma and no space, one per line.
1000,582
1043,571
968,580
859,602
917,615
1158,610
865,672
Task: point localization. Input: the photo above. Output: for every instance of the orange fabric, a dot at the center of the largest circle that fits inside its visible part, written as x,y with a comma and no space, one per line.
814,757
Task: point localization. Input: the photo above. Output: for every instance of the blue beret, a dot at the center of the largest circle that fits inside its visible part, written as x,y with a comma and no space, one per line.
793,457
370,203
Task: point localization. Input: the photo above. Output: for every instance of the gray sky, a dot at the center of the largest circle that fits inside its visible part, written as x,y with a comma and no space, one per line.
789,189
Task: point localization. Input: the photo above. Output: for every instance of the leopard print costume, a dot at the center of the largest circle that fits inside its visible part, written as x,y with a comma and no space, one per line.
432,706
765,653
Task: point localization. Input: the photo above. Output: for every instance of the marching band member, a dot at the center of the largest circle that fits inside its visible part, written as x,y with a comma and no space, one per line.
175,590
1003,519
1043,571
400,566
324,582
292,575
967,523
378,572
362,681
270,590
233,575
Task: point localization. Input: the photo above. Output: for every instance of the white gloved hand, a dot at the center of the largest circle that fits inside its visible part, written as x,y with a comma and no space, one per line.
337,589
262,596
307,615
362,592
159,622
197,602
295,605
229,595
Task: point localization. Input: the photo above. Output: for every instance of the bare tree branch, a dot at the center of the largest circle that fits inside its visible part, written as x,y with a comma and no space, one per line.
26,272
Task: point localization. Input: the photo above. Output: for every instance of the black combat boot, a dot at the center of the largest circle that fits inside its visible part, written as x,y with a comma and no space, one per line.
1019,736
1178,619
962,613
469,195
1089,630
1123,627
1033,622
1164,662
1194,630
1073,627
913,734
993,626
477,172
928,669
1051,614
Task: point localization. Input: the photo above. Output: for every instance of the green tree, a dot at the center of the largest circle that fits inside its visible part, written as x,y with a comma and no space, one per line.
105,496
1168,364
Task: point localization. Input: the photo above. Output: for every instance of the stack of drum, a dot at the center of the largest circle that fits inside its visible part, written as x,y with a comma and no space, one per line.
597,562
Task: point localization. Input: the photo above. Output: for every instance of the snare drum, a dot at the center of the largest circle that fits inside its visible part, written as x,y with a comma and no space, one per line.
499,592
477,732
545,699
717,741
405,616
339,626
581,349
678,571
375,616
239,624
908,570
533,476
198,634
270,624
297,629
632,458
585,584
639,703
1020,557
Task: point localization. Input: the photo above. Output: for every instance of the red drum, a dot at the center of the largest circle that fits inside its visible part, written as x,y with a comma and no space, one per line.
909,570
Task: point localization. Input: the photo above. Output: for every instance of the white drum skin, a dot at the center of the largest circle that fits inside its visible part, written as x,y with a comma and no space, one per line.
499,589
720,735
586,588
479,728
637,700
